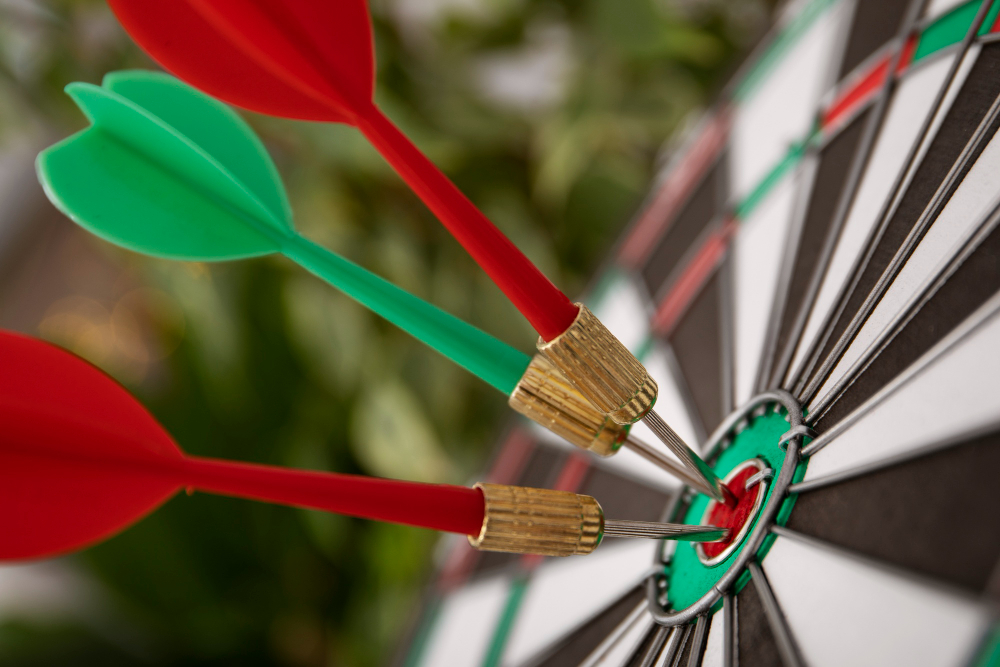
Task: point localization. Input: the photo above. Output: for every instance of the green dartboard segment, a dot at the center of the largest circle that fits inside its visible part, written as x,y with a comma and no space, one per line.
168,171
688,578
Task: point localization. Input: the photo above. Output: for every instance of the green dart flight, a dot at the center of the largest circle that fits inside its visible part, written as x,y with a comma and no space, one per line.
167,171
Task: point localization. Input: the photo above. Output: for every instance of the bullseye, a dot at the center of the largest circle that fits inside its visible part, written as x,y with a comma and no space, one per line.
737,518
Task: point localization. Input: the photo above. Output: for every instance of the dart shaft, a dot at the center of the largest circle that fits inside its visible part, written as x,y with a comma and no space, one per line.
455,509
481,354
548,310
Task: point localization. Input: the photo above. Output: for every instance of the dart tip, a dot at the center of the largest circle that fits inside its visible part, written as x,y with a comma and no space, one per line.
706,480
669,531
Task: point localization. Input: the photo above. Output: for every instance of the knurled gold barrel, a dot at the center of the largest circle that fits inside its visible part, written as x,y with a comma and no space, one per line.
546,397
538,521
603,369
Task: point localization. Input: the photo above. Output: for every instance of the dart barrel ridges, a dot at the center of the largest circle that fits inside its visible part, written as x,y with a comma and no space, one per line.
545,396
538,521
603,369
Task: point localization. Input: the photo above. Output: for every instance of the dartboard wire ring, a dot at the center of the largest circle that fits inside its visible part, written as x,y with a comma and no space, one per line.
763,526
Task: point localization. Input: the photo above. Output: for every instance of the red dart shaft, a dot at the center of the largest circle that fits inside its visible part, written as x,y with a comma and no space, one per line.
455,509
548,310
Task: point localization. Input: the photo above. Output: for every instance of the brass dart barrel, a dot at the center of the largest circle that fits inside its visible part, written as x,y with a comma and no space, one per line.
545,396
602,368
560,523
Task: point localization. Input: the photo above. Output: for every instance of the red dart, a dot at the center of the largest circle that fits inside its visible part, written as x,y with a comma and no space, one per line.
314,61
81,459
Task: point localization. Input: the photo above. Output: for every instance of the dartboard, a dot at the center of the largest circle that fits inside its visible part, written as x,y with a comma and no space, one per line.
814,283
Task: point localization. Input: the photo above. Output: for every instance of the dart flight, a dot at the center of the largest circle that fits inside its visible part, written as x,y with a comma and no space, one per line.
81,459
315,61
167,171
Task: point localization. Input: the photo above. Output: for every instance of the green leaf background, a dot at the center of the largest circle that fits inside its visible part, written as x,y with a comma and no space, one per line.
549,114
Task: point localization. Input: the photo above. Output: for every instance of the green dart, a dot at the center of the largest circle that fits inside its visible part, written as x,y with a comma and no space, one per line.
167,171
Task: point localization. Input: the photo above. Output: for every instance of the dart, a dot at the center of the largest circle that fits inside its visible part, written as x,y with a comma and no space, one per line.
81,459
315,61
152,128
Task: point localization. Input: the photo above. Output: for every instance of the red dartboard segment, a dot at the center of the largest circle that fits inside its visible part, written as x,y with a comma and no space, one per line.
734,517
314,61
683,178
863,86
81,459
693,277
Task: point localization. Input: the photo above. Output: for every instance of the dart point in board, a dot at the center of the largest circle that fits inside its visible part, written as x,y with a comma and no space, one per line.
82,460
315,61
236,206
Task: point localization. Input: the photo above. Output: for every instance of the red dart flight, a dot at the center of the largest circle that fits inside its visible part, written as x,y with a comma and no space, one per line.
314,61
81,459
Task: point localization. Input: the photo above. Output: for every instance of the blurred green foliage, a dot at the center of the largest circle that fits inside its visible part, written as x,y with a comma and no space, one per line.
549,115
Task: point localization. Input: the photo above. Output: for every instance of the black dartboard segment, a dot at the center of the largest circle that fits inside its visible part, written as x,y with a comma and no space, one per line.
948,493
833,163
697,344
757,647
683,233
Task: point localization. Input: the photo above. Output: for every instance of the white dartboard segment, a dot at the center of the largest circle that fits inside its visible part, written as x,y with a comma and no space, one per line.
844,611
780,110
757,254
622,308
910,106
669,403
566,592
464,626
715,642
947,396
954,88
936,8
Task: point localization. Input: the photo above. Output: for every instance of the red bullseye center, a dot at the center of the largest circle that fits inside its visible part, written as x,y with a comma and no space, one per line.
736,517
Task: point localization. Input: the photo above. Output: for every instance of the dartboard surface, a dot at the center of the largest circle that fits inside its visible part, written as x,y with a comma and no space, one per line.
814,283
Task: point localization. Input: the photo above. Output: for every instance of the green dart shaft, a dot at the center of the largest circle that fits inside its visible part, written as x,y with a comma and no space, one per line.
483,355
